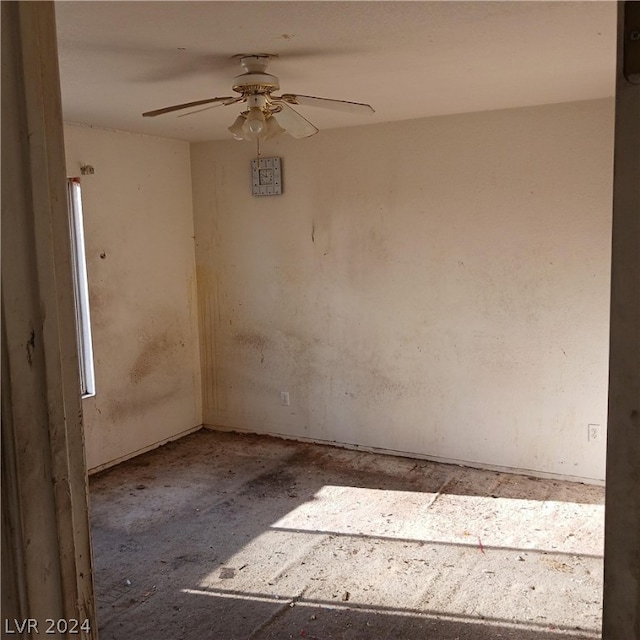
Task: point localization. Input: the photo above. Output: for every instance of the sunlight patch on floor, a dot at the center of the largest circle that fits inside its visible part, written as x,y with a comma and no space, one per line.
426,554
555,527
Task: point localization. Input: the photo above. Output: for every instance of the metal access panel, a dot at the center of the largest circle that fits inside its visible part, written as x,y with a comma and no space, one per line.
266,177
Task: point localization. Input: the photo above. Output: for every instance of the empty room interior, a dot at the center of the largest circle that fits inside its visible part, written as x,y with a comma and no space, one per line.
352,382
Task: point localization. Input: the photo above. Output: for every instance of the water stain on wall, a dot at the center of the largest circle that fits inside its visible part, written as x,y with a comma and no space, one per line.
252,339
141,403
103,304
368,254
209,318
154,378
154,355
31,346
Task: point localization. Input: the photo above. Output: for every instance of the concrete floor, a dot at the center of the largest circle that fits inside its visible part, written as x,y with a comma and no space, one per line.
221,536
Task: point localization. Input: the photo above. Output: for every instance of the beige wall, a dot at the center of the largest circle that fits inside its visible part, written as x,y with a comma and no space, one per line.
438,287
140,261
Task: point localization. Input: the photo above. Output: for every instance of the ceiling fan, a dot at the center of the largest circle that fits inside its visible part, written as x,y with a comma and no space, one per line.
266,115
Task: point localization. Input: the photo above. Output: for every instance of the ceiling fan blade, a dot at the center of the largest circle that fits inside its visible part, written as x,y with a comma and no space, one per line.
213,106
292,122
186,105
327,103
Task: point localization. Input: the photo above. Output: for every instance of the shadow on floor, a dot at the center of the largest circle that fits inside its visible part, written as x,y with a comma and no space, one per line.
216,616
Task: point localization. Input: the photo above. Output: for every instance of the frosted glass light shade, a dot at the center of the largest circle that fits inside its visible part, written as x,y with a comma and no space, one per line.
236,127
273,128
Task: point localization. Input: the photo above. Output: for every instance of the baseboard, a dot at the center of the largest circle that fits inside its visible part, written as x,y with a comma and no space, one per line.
418,456
133,454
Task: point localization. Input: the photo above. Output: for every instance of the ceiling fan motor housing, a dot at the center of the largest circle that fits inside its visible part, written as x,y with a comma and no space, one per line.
255,80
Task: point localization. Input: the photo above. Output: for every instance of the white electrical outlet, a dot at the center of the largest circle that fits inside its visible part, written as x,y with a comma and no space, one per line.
284,398
594,434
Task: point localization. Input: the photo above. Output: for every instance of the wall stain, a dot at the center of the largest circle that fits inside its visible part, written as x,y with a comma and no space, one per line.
102,302
31,346
152,355
209,319
142,404
252,339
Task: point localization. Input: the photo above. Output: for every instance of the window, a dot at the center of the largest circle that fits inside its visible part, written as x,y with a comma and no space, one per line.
81,289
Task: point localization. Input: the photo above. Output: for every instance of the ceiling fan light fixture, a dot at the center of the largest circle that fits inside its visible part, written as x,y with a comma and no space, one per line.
258,121
236,128
273,128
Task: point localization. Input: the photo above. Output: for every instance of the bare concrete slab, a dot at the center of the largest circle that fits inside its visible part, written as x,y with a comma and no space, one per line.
223,536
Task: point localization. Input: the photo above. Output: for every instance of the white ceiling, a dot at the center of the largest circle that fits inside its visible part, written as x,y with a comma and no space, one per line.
407,59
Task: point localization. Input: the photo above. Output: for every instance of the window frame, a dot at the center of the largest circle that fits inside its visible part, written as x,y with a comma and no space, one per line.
81,289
